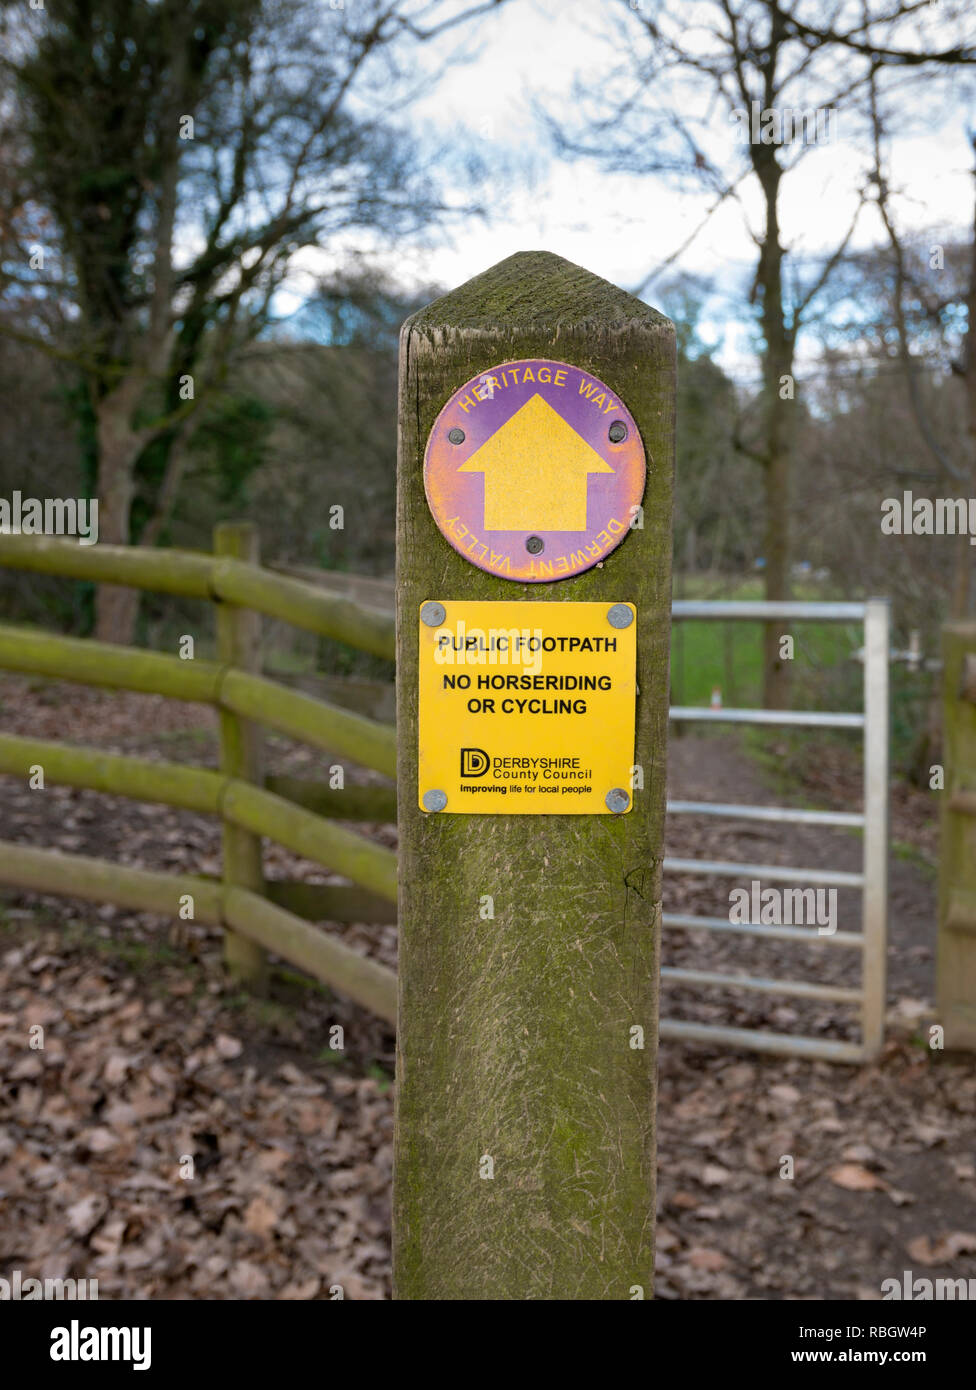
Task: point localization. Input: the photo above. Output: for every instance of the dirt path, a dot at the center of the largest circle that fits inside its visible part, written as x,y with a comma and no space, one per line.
148,1058
715,769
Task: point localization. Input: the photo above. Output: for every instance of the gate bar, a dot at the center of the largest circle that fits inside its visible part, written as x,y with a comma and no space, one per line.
776,872
801,988
781,1044
807,719
687,922
874,904
764,610
794,816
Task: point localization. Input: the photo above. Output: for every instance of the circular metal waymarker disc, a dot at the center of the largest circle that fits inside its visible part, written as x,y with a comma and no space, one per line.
540,487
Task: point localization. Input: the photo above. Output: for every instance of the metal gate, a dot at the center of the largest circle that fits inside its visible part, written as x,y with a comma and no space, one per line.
872,820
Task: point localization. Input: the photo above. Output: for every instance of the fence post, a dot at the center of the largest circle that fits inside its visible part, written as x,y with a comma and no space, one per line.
874,912
239,645
956,952
529,944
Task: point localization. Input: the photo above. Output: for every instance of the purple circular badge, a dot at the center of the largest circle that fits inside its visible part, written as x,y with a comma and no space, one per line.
534,470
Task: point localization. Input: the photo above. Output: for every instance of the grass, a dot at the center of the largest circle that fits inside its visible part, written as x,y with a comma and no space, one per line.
911,854
381,1076
728,655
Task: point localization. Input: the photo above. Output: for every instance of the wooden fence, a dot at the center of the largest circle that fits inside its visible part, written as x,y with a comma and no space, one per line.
956,955
257,915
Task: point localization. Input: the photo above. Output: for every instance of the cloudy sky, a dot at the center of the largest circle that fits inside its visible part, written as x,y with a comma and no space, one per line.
623,226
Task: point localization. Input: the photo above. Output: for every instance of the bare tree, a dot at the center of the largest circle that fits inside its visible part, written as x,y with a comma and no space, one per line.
950,470
690,70
187,151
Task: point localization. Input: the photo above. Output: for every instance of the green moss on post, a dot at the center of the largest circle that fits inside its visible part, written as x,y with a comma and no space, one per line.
956,955
99,881
515,1037
102,664
170,784
352,802
193,575
239,644
311,720
327,959
370,865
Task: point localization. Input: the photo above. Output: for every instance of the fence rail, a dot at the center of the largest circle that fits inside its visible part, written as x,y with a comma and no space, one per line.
292,712
193,574
299,814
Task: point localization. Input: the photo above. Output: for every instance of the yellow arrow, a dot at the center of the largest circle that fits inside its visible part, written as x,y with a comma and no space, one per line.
535,471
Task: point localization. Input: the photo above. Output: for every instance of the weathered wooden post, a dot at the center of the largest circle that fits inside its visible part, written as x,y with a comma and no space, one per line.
956,956
532,565
239,645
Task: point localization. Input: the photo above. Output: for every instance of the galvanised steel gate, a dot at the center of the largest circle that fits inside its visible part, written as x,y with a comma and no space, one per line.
872,820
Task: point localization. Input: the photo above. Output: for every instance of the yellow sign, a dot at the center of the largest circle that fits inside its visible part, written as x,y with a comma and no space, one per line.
527,708
535,470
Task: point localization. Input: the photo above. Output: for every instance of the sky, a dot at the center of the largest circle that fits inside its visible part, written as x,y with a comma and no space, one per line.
621,225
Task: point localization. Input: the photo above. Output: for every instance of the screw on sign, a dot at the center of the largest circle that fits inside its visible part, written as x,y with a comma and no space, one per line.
534,470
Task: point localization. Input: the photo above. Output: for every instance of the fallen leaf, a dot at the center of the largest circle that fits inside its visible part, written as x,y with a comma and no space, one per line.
859,1153
714,1175
685,1201
944,1248
249,1279
711,1260
99,1140
84,1215
261,1217
853,1177
301,1292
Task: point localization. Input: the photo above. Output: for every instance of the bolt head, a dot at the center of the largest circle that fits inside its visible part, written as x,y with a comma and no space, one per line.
618,432
620,615
433,614
434,800
617,800
535,545
456,436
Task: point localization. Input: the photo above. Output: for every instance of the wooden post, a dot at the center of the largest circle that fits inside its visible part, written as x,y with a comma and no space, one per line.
956,955
239,645
526,1051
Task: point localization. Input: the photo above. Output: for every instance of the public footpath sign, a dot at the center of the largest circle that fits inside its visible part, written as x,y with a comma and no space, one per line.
527,708
534,494
534,470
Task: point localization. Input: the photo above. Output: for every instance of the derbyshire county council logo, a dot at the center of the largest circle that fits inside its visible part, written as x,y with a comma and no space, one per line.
474,762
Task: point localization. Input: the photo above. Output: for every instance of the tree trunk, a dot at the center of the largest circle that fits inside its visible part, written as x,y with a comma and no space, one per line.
776,672
777,364
961,578
116,607
962,595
